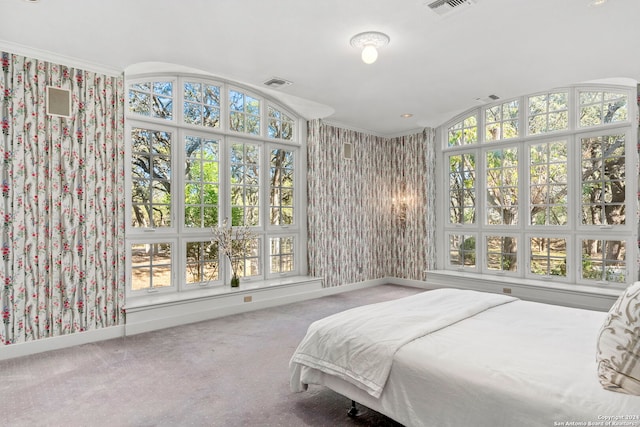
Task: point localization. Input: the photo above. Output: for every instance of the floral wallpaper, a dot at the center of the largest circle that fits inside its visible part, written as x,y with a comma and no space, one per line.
62,202
354,230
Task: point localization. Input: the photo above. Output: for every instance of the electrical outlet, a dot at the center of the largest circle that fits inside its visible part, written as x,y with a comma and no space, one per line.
248,298
506,290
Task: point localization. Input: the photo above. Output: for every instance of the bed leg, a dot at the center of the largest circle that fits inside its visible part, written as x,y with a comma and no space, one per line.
353,411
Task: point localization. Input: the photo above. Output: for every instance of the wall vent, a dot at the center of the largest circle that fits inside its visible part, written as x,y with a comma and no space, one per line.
58,102
276,82
347,151
487,99
444,7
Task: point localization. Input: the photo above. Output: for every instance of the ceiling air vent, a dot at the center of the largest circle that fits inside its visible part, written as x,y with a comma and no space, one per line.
444,7
276,82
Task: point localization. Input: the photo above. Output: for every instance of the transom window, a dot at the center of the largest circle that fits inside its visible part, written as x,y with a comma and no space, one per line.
550,202
244,113
501,121
201,104
548,112
222,153
152,99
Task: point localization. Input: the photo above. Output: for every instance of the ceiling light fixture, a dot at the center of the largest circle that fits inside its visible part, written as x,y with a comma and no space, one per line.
596,3
369,42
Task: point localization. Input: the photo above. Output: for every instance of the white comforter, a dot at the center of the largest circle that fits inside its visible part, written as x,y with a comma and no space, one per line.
358,345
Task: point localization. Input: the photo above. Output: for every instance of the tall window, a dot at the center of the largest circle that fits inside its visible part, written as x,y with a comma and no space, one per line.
151,160
462,188
201,151
547,199
245,184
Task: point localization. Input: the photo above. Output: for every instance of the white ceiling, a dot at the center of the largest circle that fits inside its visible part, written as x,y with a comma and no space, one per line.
433,68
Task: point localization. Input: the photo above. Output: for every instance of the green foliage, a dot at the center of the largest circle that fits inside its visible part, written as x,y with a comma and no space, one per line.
468,251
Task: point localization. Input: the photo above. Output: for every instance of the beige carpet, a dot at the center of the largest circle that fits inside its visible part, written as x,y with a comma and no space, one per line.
231,371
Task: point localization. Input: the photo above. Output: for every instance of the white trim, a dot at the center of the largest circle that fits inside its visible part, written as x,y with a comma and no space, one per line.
570,295
56,58
573,229
149,317
345,126
63,341
141,317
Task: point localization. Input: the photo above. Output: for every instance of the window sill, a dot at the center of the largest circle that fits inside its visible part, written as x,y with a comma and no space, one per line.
140,302
567,294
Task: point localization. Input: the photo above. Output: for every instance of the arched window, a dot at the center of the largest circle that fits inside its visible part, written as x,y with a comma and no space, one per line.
201,151
543,187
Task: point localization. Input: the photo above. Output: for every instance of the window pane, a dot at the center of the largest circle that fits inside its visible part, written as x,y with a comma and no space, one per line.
548,256
502,253
201,177
245,113
502,186
548,112
462,183
548,183
602,107
150,266
281,194
140,103
246,259
501,121
281,254
154,99
202,104
280,125
464,132
202,262
462,250
603,180
604,260
245,188
151,178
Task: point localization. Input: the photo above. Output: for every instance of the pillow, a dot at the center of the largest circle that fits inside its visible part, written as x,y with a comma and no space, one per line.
618,354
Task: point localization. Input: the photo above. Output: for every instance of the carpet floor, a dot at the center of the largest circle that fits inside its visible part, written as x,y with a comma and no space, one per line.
231,371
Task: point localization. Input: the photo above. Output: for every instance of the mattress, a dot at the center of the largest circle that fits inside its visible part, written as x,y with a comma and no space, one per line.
516,364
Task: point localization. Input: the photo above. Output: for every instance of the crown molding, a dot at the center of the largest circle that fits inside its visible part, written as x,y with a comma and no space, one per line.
56,58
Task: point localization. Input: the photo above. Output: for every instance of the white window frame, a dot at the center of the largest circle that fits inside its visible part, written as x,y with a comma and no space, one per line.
223,101
183,133
570,272
178,234
161,126
284,111
573,231
463,267
485,255
182,282
174,266
261,129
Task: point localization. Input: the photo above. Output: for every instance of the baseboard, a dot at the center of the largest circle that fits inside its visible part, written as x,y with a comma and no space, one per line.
569,295
63,341
146,319
151,318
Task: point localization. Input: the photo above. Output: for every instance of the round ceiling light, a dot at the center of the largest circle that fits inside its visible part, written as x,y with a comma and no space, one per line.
369,42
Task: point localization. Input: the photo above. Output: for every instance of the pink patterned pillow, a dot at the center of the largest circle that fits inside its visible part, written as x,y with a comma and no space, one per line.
618,353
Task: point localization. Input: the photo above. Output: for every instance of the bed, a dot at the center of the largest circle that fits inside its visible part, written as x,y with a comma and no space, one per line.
452,357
